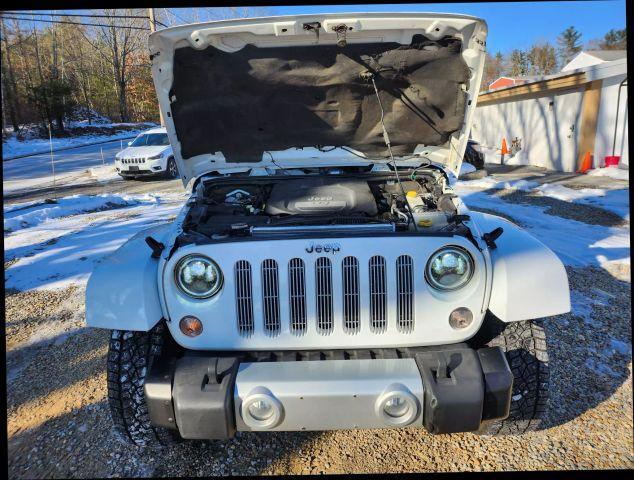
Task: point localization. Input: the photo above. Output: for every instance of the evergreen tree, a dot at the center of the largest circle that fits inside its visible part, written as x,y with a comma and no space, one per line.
569,46
519,63
615,40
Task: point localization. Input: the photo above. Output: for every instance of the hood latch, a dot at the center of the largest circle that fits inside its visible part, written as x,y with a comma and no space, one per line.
314,26
341,31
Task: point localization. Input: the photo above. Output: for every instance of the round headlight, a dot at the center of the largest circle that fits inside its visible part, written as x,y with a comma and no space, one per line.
449,268
198,276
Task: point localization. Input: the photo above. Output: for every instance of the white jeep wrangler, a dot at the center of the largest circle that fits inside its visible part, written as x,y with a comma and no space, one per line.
323,274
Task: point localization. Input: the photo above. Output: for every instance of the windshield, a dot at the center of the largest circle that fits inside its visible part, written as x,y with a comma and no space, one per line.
151,140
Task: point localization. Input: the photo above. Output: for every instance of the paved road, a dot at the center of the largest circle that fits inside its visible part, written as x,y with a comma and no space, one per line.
31,177
70,165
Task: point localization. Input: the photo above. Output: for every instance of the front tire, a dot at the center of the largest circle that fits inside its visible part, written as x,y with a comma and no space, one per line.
130,356
172,169
525,346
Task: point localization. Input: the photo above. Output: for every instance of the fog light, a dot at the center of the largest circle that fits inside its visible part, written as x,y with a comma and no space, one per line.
261,410
397,405
191,326
460,318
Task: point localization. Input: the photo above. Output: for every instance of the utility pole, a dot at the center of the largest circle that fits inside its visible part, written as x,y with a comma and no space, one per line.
152,30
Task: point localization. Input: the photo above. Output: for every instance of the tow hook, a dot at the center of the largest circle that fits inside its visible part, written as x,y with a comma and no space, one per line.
492,236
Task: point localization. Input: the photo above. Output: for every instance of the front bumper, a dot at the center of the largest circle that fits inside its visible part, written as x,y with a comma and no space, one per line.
149,167
446,389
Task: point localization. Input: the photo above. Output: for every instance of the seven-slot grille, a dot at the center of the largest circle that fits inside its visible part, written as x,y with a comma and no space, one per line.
132,160
331,296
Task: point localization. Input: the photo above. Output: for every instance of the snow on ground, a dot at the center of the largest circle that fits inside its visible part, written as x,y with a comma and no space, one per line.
12,147
617,201
490,183
612,172
32,214
48,245
63,243
576,243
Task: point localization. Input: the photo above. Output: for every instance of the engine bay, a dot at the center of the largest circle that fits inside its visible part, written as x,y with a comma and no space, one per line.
324,200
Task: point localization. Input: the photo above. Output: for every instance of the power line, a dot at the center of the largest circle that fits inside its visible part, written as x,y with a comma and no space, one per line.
94,15
177,16
75,23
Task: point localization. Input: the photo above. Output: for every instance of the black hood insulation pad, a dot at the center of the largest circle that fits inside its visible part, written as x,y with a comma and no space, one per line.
265,99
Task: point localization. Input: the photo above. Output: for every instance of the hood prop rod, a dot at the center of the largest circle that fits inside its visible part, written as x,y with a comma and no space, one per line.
386,139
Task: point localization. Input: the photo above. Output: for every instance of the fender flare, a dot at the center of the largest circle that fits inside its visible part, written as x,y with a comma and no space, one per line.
529,280
122,292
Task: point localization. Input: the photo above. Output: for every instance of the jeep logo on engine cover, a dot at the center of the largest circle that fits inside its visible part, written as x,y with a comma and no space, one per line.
325,248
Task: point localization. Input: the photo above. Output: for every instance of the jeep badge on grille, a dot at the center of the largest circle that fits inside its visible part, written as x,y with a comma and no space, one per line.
325,248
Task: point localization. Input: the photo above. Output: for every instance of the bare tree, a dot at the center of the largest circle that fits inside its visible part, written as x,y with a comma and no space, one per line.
9,86
542,59
117,43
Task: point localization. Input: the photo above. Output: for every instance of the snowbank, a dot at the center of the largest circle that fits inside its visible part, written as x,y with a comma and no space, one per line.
490,183
612,172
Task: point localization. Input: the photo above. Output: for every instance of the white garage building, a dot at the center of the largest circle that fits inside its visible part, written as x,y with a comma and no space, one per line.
558,118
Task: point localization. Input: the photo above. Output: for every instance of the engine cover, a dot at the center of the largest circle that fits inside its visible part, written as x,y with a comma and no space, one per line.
320,196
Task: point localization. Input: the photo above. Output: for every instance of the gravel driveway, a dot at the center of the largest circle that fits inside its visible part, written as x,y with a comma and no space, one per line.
59,424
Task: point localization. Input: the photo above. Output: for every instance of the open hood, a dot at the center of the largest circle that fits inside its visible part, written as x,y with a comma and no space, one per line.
235,93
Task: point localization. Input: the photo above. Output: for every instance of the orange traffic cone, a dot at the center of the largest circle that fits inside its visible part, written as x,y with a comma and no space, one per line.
505,149
586,164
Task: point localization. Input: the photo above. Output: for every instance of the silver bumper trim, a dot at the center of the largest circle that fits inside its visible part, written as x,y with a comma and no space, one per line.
329,394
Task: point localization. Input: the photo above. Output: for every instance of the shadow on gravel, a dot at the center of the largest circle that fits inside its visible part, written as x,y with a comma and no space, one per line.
560,208
116,185
59,191
64,428
590,348
52,358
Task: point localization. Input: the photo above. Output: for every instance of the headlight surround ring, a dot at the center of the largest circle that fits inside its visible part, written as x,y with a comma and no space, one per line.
209,268
455,254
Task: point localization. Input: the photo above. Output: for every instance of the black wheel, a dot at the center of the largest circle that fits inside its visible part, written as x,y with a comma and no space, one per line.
474,158
130,356
526,352
172,168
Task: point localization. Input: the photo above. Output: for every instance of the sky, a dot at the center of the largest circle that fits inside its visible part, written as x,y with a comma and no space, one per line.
511,24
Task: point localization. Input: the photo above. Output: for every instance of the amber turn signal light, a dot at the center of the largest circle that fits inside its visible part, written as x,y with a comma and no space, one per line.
191,326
